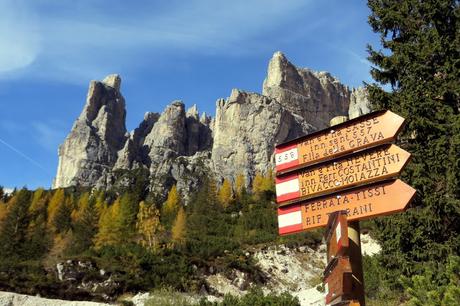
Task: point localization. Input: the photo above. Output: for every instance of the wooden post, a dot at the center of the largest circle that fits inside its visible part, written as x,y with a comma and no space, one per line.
354,249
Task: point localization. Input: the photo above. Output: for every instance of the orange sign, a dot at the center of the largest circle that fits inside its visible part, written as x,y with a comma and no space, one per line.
361,168
337,234
338,279
381,198
357,134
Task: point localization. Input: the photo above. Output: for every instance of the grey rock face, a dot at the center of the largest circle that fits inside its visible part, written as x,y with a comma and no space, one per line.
181,147
315,96
91,149
134,153
359,103
246,129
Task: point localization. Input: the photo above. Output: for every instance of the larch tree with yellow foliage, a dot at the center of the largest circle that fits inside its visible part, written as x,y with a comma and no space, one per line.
84,223
148,226
56,200
224,195
178,228
262,183
240,184
171,206
109,226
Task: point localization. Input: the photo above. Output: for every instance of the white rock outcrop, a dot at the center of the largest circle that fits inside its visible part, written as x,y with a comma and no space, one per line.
91,149
15,299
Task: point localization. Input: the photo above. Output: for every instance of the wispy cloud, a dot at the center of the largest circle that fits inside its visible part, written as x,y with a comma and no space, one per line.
23,155
48,136
91,38
19,40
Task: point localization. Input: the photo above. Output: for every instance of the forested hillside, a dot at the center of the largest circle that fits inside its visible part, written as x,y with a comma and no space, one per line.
143,244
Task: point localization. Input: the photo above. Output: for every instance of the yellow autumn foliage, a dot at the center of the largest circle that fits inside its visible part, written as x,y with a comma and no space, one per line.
171,205
109,226
178,228
56,200
240,183
148,226
224,195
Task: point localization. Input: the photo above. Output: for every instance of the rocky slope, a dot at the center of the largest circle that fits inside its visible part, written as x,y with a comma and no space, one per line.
296,270
179,146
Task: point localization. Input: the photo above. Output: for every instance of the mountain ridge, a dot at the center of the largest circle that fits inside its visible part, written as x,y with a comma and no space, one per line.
178,144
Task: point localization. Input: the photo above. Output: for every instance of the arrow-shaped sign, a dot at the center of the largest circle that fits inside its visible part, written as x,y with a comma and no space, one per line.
361,168
383,198
351,136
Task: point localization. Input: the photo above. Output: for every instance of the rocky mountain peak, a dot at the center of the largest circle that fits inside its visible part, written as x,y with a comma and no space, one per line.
315,96
193,112
179,146
98,134
112,80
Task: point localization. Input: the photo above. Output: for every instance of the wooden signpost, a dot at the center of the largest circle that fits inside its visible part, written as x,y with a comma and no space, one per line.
359,168
378,199
337,235
338,280
357,134
335,177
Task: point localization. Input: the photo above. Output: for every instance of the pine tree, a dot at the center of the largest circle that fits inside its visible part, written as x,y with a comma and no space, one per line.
420,62
14,228
109,226
39,200
129,207
61,219
208,230
56,200
225,193
84,220
178,228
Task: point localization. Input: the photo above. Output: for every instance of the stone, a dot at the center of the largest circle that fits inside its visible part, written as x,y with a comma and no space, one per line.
90,150
359,103
314,96
182,147
246,128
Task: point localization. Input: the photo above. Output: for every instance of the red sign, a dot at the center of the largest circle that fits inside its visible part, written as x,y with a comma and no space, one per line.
378,199
363,132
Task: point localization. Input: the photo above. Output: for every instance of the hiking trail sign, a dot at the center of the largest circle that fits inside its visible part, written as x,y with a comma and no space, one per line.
360,168
354,135
382,198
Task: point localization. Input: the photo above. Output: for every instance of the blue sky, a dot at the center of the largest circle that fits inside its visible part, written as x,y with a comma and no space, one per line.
195,51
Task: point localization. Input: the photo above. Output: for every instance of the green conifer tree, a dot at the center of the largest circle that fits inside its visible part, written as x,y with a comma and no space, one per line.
420,62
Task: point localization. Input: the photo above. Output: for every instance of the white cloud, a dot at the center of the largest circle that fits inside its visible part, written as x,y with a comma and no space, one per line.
19,38
48,136
85,39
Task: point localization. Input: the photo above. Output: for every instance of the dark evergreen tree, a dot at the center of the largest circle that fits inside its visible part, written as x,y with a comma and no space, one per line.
14,228
84,227
209,229
420,63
